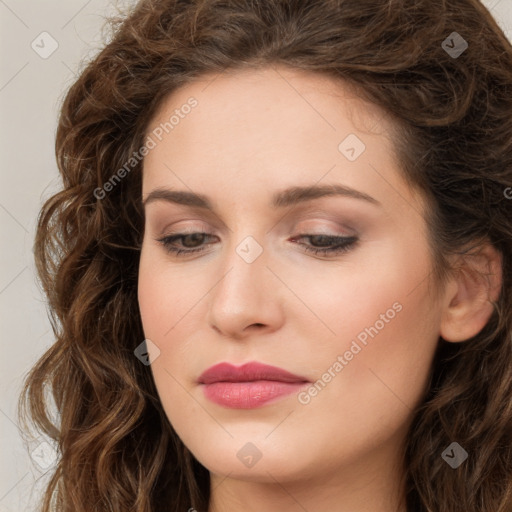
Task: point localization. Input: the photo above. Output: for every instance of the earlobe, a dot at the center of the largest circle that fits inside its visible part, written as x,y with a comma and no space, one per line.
470,294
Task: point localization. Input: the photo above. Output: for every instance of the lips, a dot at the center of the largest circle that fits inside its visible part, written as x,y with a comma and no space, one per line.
225,372
248,386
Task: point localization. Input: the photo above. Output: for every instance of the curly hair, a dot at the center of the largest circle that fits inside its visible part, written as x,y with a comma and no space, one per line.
453,119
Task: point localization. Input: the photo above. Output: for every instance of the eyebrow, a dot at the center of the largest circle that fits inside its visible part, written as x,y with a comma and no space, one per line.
288,197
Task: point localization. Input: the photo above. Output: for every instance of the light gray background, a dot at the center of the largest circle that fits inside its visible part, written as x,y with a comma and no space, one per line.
31,90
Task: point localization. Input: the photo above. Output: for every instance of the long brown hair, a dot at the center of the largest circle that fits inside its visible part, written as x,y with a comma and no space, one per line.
453,119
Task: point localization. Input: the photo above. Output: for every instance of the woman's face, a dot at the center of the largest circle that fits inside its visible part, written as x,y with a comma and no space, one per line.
357,328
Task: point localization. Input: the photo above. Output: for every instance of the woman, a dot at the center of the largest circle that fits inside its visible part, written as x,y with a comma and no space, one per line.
279,267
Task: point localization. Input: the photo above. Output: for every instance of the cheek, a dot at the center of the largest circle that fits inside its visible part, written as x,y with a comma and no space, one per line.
164,296
168,302
382,288
161,307
151,293
386,329
379,313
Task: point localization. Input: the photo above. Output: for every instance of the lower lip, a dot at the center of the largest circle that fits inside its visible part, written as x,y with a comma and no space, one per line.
249,395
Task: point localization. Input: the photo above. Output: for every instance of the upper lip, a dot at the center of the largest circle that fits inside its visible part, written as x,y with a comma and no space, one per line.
227,372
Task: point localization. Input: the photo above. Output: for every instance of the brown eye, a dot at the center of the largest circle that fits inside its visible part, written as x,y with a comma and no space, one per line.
328,244
192,242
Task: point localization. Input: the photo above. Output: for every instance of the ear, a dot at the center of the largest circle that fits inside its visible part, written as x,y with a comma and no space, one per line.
476,283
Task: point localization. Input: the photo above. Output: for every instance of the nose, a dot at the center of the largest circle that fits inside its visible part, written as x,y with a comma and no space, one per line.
247,299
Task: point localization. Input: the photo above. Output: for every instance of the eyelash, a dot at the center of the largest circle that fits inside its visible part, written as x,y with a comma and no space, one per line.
346,243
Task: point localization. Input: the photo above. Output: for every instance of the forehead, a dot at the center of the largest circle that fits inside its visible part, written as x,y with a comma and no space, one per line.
269,129
265,95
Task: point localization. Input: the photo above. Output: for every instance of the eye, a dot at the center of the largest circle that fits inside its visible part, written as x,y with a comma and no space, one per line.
188,239
320,243
328,244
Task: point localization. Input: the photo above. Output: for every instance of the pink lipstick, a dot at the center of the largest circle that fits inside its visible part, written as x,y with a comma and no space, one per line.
248,386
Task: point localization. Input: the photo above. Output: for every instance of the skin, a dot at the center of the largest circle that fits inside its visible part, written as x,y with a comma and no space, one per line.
253,133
